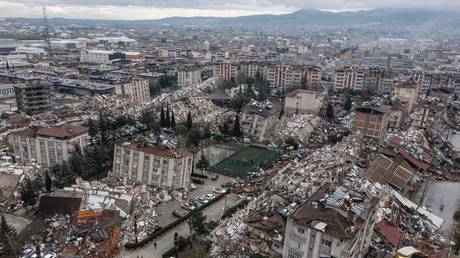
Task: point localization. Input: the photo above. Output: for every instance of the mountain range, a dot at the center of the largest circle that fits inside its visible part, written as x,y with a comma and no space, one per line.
305,18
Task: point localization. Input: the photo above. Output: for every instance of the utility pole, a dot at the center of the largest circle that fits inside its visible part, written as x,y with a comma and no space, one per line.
46,33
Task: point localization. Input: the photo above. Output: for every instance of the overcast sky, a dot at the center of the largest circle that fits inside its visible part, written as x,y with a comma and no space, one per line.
154,9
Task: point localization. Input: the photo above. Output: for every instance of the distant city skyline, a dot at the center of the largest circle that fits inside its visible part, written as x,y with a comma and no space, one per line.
155,9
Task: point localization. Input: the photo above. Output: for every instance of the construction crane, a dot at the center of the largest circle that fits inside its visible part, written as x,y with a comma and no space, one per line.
46,33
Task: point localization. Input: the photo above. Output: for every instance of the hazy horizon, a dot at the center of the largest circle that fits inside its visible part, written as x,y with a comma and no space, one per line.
155,9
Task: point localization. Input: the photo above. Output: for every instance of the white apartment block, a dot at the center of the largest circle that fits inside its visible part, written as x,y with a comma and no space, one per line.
48,146
188,76
68,44
152,165
348,78
136,91
303,102
99,56
320,227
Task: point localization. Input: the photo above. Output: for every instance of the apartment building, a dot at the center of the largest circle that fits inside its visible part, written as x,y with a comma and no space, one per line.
407,93
136,91
225,70
33,97
348,78
311,75
371,121
100,56
6,90
152,165
334,222
257,120
48,146
251,69
187,76
283,76
427,115
303,102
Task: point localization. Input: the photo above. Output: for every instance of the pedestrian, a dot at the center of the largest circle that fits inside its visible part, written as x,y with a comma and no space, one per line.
155,245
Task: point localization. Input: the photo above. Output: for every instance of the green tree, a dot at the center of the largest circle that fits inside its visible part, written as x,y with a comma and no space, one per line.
281,111
77,163
48,182
330,111
162,117
28,194
194,137
167,118
103,128
203,163
9,245
62,175
347,104
292,142
173,120
236,127
189,121
224,130
92,130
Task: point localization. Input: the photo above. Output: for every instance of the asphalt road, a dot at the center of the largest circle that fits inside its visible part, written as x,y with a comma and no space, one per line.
447,193
166,241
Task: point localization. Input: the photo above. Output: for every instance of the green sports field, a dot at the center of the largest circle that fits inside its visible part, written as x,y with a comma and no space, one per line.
249,159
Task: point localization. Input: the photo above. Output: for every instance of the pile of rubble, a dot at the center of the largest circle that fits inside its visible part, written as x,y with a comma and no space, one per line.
298,126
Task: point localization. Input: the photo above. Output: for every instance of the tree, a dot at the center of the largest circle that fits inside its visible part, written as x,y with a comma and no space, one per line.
194,137
189,121
92,130
330,111
103,128
173,120
236,127
62,174
48,182
281,111
28,194
168,118
77,163
162,117
347,104
224,129
203,163
8,240
292,142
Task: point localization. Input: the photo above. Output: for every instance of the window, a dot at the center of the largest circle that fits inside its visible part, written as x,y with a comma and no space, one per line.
301,230
292,254
326,242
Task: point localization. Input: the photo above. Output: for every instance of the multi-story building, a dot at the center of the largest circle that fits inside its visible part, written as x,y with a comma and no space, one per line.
6,90
348,78
100,56
407,93
188,75
257,120
251,69
33,97
303,102
48,146
311,75
283,76
136,91
333,222
371,121
225,70
427,115
152,165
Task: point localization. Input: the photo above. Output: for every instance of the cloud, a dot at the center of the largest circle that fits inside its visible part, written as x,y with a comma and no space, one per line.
153,9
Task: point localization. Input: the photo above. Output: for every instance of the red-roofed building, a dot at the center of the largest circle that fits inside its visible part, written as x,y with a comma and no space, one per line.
48,146
390,233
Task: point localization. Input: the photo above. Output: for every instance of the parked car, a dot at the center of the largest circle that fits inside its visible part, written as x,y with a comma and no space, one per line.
219,190
227,184
209,196
187,206
197,204
203,199
178,214
214,177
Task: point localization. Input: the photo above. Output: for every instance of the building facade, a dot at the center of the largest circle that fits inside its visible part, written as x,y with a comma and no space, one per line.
427,115
188,76
348,78
371,121
303,102
136,91
48,146
152,165
322,227
33,98
225,70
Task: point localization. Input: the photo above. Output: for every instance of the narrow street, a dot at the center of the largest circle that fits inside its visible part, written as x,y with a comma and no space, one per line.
165,241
